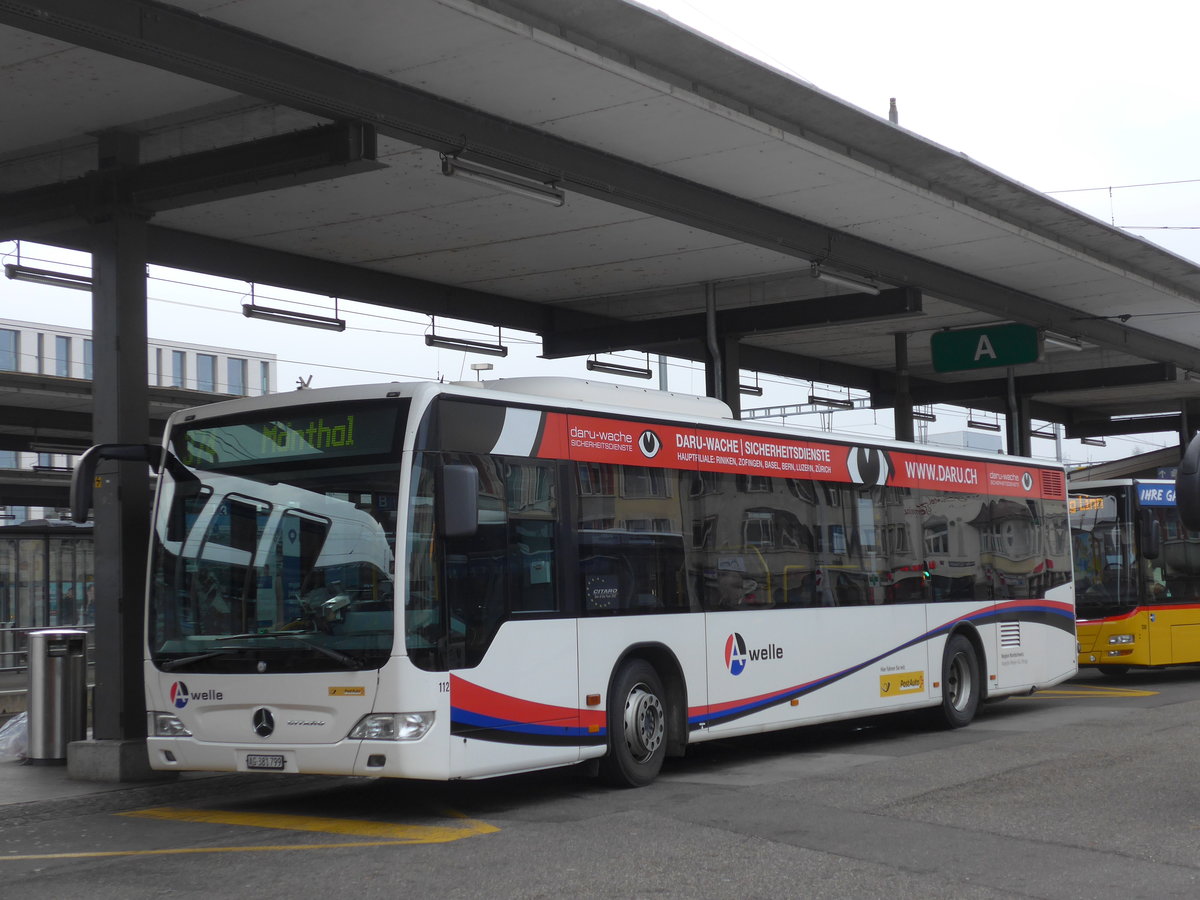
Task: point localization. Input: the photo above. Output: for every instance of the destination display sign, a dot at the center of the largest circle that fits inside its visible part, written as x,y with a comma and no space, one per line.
304,434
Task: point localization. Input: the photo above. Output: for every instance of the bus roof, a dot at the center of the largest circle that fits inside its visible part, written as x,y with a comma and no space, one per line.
580,396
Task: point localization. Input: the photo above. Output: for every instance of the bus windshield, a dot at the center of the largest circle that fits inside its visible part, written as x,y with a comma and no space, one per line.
1104,553
277,551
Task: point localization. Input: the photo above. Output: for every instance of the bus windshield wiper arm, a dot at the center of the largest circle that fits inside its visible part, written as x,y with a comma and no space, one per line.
348,661
172,664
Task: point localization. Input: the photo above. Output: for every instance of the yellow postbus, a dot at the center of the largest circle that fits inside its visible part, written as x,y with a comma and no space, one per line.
1137,576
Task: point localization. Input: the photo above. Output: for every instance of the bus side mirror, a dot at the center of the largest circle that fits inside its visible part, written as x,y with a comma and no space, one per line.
458,508
1150,534
84,477
1187,486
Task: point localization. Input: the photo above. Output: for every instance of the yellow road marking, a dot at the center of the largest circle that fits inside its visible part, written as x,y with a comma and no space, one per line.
1083,690
390,834
260,849
408,834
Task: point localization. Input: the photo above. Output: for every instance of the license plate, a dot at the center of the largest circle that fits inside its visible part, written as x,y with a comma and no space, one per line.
259,761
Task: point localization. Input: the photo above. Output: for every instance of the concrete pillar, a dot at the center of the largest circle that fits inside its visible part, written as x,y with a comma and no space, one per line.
122,498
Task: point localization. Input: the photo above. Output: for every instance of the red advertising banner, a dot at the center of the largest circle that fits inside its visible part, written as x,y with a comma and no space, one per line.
621,442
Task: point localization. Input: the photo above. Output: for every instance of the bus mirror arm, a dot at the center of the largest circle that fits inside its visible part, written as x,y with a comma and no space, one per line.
84,476
1187,486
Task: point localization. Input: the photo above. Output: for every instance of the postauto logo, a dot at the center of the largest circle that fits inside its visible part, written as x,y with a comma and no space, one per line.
179,695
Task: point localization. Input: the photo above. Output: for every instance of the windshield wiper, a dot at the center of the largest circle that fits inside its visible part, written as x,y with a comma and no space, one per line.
172,664
348,661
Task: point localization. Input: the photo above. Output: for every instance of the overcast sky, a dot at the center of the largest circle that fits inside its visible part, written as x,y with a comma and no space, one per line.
1063,96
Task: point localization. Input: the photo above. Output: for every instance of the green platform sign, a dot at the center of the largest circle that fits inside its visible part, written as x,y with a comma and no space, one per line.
984,348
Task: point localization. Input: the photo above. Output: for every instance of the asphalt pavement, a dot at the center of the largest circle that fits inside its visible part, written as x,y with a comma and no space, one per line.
32,791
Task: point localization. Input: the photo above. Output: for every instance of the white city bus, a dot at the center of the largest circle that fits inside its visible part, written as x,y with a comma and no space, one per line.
458,581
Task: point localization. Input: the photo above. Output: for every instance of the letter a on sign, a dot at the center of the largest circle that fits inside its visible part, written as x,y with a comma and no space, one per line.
984,348
1011,344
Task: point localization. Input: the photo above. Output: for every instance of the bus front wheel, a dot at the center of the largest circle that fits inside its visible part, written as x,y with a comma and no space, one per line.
637,725
961,685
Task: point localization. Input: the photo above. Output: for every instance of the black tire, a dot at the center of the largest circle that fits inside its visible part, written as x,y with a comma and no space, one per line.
637,726
1114,671
961,684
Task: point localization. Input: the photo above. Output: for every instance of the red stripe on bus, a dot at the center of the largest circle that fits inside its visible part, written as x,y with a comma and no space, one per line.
482,701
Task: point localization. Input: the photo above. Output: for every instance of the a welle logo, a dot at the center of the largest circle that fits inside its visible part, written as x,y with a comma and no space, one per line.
180,695
737,656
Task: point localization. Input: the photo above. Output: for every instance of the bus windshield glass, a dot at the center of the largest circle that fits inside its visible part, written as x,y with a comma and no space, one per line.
1104,552
277,553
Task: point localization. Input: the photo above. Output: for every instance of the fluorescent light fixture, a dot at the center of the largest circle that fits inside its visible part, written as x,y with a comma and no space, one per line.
506,181
983,426
835,402
1046,435
449,343
1094,442
595,365
49,447
18,272
290,317
863,287
1133,417
754,390
924,415
1061,340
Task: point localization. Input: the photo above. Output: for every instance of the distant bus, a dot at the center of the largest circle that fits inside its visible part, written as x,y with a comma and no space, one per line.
1137,576
459,581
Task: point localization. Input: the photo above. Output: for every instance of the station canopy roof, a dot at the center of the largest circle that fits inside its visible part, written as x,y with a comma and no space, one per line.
306,146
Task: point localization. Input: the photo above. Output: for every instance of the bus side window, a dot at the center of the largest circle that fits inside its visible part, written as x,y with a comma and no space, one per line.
532,558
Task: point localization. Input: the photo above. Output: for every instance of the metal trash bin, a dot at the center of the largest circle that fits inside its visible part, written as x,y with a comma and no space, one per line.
57,696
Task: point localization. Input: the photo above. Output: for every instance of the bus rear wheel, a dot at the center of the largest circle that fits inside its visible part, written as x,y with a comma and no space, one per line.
961,684
637,725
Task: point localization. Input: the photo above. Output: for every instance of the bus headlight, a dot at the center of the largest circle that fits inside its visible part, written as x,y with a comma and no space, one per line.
392,726
165,724
1120,638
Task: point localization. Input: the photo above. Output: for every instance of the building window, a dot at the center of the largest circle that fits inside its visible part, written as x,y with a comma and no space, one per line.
264,369
178,369
206,372
87,358
62,356
10,345
236,371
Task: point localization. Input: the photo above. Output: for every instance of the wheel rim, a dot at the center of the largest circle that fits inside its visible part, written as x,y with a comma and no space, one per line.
958,682
644,723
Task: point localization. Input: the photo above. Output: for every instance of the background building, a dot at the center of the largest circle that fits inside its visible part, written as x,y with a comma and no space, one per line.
46,561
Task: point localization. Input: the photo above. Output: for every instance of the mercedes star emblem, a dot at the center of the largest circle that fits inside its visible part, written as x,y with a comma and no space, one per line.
264,722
